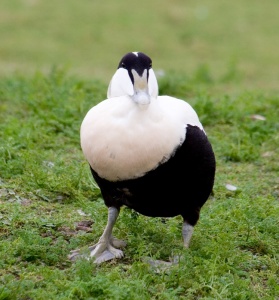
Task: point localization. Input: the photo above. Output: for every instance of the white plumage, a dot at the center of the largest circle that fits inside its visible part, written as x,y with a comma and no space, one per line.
132,149
147,152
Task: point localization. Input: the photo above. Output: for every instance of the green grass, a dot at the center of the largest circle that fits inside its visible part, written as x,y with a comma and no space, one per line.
220,57
45,181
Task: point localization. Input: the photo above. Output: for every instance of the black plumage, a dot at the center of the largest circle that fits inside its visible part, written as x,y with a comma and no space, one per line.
179,186
147,152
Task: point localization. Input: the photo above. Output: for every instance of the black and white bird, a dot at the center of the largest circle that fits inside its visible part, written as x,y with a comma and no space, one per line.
147,152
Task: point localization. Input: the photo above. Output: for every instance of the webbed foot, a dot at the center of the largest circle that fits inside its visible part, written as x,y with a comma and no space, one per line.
101,252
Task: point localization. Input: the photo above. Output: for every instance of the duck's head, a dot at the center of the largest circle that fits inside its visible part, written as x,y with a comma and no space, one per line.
135,78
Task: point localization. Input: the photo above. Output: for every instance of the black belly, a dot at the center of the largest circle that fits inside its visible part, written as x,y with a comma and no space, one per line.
179,186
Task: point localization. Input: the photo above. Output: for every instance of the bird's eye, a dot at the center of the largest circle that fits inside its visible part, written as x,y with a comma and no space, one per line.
123,65
150,66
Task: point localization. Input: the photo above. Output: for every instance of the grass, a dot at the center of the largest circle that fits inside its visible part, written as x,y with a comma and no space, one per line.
46,190
222,59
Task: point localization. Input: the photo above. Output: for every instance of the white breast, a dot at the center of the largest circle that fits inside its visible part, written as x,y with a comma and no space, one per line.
122,140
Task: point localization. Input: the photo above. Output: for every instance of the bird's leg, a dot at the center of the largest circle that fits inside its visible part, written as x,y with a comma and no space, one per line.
105,249
187,231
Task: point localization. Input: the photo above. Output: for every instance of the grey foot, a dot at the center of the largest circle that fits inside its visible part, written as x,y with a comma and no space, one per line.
102,251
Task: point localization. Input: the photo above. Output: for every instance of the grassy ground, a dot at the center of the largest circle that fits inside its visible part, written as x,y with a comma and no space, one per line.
46,189
220,58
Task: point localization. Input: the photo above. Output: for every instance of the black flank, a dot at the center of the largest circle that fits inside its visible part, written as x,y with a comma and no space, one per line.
179,186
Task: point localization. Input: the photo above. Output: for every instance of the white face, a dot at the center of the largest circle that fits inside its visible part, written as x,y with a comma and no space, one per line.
134,77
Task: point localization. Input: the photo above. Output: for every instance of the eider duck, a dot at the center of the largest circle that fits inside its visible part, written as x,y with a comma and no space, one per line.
147,152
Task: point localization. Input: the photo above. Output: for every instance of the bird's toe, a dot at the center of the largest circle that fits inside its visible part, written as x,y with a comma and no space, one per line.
116,252
103,251
103,257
